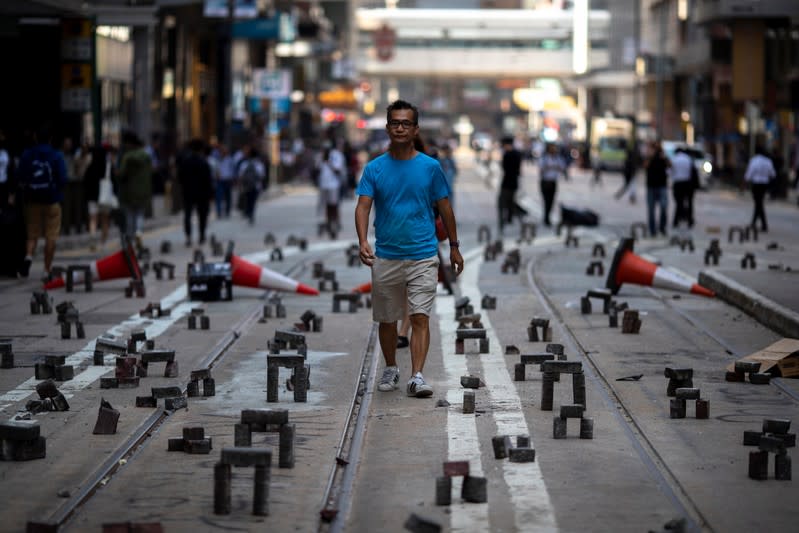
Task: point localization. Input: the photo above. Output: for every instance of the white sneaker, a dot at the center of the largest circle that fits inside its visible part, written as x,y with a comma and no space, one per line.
389,381
417,387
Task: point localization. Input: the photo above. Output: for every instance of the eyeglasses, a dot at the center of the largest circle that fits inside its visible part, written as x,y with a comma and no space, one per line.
394,124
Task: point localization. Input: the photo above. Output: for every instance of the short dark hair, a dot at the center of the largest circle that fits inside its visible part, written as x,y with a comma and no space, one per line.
397,105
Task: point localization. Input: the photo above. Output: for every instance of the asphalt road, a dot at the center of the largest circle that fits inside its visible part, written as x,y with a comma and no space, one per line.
640,470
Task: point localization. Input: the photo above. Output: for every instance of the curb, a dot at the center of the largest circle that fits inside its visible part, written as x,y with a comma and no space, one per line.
769,313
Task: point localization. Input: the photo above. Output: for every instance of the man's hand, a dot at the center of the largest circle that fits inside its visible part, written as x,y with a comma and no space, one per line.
456,260
366,254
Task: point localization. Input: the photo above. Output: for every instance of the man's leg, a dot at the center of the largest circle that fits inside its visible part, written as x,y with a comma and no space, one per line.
420,341
187,207
387,333
664,209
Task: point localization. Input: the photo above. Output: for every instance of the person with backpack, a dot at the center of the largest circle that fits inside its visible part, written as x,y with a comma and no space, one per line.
42,176
251,176
196,182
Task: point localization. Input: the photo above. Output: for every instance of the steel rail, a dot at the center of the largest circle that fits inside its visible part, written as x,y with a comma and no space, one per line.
648,454
152,424
338,491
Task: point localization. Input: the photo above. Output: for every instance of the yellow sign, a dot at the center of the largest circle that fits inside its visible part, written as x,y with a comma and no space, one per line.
76,75
338,98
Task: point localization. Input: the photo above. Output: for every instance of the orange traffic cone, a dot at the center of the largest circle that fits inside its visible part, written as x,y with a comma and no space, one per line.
366,288
630,268
122,264
247,274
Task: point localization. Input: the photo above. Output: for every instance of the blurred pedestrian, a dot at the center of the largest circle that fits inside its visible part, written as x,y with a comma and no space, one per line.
135,185
404,185
224,186
511,169
551,168
251,176
450,169
657,191
759,173
42,177
682,187
100,168
331,178
196,182
629,186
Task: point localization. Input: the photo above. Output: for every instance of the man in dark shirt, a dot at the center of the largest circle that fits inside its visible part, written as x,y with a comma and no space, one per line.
511,168
657,190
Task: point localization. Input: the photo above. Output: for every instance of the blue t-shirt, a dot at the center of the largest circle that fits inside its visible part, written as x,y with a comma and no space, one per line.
404,193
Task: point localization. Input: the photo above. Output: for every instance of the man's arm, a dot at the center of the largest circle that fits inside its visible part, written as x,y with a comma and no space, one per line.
362,210
448,217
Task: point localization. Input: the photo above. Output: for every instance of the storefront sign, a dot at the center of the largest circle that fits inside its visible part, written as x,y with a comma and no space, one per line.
271,83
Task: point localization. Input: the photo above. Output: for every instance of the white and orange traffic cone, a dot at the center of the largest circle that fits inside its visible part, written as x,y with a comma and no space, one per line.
364,288
121,264
628,267
247,274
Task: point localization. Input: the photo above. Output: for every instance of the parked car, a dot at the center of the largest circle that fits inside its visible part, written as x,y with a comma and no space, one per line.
702,160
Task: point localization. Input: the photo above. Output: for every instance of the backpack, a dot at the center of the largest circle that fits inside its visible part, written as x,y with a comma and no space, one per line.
250,177
40,183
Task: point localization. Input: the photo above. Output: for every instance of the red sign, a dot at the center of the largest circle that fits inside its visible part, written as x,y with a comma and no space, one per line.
385,38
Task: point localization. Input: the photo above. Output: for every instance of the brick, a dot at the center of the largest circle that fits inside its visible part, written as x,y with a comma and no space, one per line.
563,367
470,382
519,370
468,402
679,373
758,465
443,490
43,371
586,428
474,489
702,409
146,401
684,393
776,425
770,444
157,356
23,450
47,389
64,373
788,439
265,416
501,444
196,375
752,438
165,392
554,348
747,366
19,430
241,456
138,335
60,403
107,419
676,408
416,524
782,467
536,358
173,404
757,378
197,447
175,444
286,446
559,426
55,360
456,468
470,333
572,411
521,455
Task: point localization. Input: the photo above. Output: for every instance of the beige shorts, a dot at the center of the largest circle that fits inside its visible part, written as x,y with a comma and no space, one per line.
43,220
397,283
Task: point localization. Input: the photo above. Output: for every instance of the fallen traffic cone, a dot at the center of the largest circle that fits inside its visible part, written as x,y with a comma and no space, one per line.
630,268
122,264
366,288
246,274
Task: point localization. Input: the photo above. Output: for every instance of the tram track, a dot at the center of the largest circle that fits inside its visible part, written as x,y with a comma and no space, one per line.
144,433
655,464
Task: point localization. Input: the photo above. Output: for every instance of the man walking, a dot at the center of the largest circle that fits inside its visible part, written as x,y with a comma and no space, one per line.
42,176
657,167
682,165
404,185
759,173
511,169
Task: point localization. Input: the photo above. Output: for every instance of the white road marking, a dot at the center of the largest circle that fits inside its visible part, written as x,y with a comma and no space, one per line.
155,327
462,439
532,506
